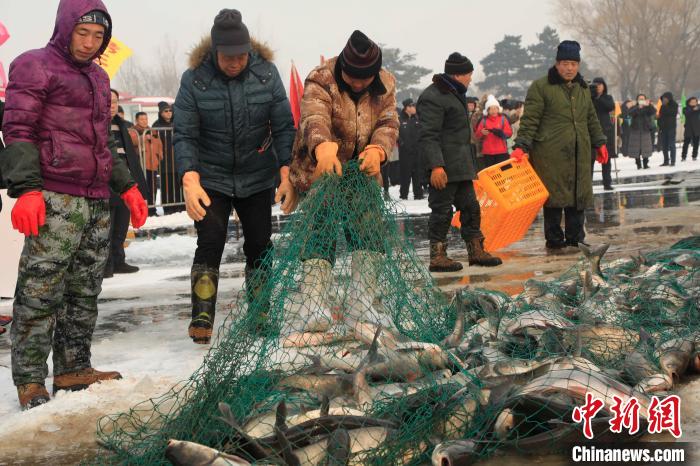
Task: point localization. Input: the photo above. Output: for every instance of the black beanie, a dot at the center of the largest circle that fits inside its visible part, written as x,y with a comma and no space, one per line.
408,103
458,64
361,58
569,50
95,17
163,105
229,35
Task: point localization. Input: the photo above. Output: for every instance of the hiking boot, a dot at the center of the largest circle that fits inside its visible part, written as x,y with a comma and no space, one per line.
439,262
32,395
204,281
479,256
82,379
125,268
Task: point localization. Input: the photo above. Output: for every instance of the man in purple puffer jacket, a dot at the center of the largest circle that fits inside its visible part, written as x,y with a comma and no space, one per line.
60,163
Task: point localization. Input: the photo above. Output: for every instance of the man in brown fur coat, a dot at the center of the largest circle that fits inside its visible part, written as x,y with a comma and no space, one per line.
348,112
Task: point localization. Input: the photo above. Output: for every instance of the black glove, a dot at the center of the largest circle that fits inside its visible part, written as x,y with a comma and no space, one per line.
498,132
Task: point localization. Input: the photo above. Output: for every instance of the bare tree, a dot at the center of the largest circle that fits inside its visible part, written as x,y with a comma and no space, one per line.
648,43
159,77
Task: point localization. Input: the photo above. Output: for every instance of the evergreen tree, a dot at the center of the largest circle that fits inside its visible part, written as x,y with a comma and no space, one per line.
408,75
505,69
543,53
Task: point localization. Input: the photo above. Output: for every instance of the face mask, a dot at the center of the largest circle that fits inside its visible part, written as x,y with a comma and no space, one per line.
641,102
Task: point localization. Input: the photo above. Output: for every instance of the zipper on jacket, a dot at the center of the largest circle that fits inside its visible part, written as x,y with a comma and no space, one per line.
233,130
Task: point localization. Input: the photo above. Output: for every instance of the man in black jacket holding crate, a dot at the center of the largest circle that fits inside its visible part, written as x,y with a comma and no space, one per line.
445,144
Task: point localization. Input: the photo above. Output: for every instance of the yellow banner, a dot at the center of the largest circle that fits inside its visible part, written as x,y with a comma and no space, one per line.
114,56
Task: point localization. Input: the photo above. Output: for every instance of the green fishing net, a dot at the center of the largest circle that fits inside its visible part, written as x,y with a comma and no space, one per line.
342,350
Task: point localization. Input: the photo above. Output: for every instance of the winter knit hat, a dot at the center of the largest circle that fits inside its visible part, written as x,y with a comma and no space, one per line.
408,103
95,17
163,105
457,63
569,50
229,35
491,101
361,58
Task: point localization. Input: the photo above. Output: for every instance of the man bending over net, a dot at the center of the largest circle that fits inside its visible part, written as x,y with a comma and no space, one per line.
348,112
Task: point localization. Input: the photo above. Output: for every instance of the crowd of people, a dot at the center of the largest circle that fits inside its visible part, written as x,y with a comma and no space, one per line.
229,143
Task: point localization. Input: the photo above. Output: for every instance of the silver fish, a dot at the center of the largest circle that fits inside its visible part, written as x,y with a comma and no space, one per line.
455,453
361,441
655,383
593,256
182,453
674,357
577,383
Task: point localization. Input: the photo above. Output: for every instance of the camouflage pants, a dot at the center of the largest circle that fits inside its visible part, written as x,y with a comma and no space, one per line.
60,277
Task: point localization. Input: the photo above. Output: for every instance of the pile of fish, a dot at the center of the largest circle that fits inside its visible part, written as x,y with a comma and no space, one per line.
506,377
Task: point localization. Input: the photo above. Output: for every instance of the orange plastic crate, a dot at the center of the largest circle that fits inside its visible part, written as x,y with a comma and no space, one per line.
510,195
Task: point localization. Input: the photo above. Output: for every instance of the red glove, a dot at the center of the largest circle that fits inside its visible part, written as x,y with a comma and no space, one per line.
602,157
29,213
137,206
518,155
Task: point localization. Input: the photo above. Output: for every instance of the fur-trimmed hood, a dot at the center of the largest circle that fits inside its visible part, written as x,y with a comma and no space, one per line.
553,77
202,51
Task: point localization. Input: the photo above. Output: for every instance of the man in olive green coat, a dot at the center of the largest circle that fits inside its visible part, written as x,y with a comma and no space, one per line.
557,130
445,145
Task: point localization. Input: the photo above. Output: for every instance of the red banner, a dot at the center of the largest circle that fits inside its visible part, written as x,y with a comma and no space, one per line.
296,90
4,35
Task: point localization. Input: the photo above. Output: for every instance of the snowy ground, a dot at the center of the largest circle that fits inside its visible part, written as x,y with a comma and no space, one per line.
143,317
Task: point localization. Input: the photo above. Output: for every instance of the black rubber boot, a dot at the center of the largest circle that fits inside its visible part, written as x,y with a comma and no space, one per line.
258,300
204,281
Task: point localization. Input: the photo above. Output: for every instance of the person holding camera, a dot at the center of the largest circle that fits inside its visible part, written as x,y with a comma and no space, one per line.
640,144
604,105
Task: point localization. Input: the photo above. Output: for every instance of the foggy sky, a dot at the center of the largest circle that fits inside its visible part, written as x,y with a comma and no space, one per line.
301,30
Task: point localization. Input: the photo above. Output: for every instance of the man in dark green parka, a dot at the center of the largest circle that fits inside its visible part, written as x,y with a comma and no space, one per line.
233,135
557,130
445,145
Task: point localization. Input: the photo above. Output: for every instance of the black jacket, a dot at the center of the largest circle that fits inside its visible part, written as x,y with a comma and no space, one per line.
127,151
692,121
668,113
409,131
642,118
445,132
604,104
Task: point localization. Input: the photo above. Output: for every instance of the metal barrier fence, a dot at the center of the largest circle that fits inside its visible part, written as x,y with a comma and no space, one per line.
157,155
